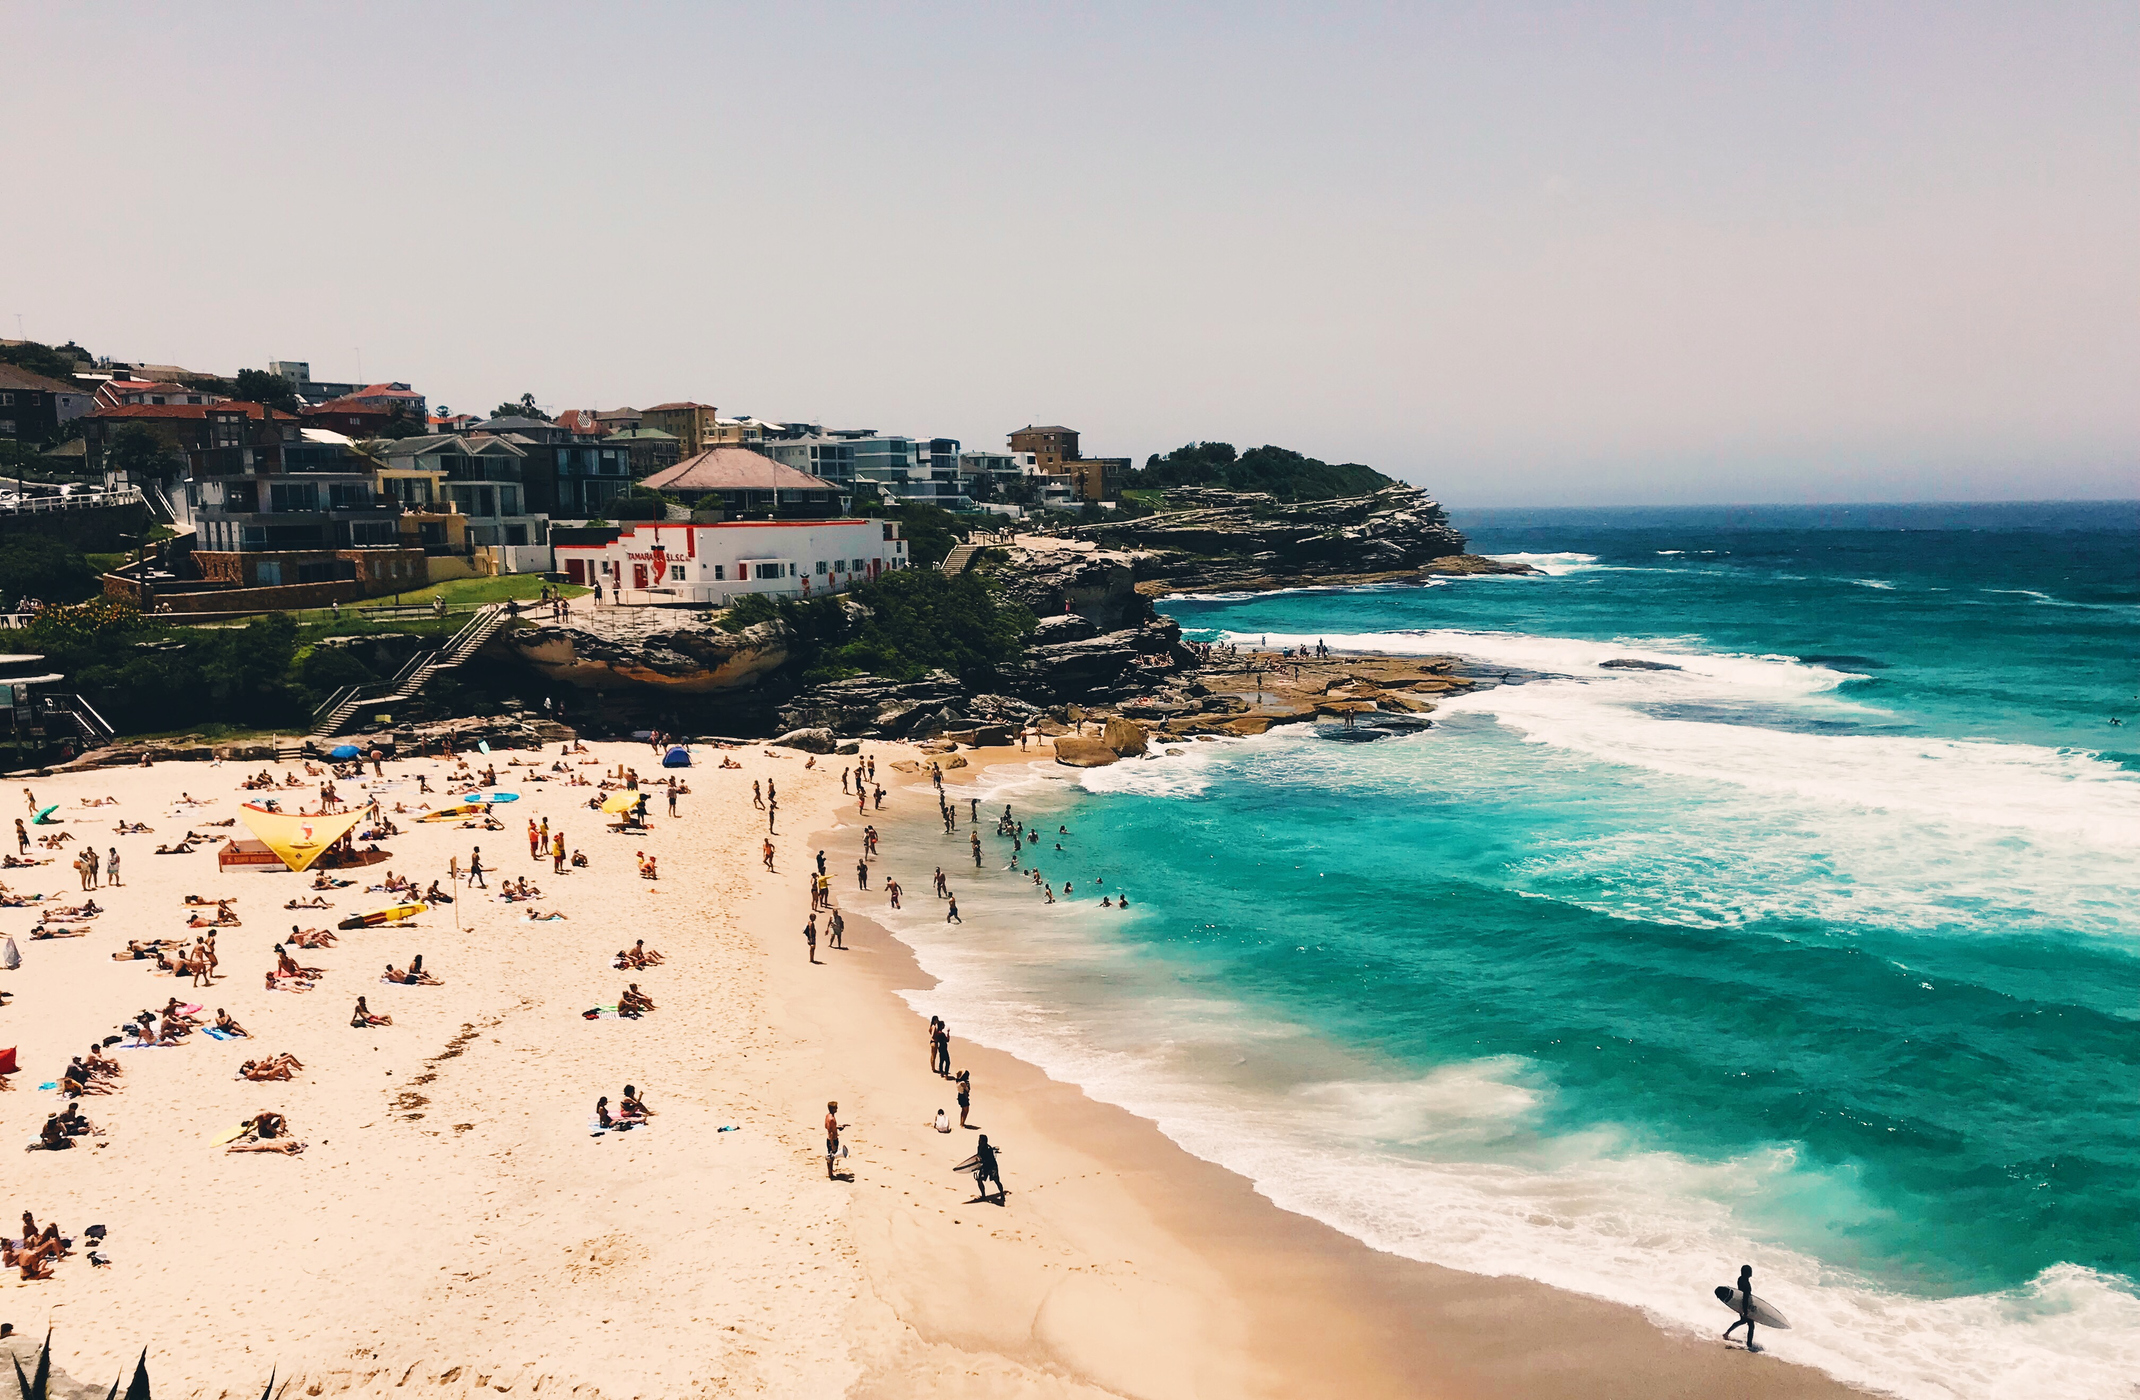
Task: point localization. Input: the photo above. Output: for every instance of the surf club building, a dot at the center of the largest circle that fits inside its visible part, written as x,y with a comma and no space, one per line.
678,562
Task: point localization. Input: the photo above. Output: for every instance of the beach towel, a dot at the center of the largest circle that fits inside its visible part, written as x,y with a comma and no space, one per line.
212,1033
7,1061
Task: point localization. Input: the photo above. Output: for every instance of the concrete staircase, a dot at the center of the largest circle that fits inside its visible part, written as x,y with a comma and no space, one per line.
960,556
350,701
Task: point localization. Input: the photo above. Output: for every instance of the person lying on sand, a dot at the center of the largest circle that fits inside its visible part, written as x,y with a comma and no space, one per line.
180,849
133,828
42,931
313,903
414,977
363,1017
267,1132
321,880
311,937
283,1066
540,916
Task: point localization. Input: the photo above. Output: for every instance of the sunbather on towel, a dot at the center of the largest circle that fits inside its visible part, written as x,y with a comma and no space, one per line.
267,1132
283,1066
363,1017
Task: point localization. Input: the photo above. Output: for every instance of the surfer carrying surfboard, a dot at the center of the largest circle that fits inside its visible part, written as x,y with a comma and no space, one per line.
1745,1302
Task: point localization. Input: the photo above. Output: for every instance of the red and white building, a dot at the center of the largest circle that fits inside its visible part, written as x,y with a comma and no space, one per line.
664,562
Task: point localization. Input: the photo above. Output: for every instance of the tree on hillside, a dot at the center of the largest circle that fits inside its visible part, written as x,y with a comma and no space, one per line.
526,408
136,450
57,364
43,567
1284,473
261,387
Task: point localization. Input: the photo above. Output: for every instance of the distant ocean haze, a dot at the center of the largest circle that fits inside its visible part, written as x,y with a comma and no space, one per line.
1817,952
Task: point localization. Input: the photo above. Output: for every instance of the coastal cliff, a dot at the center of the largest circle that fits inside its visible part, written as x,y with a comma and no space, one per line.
1242,540
1077,633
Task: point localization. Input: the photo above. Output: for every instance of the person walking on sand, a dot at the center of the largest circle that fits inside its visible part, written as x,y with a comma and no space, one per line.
769,855
837,929
22,837
1746,1307
832,1138
951,915
757,795
986,1170
862,874
965,1083
891,887
475,870
111,869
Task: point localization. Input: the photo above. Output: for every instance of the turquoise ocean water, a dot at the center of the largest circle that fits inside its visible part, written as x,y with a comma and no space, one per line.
1821,952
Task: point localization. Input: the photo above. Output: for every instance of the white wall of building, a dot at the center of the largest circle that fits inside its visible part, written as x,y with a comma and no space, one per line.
674,562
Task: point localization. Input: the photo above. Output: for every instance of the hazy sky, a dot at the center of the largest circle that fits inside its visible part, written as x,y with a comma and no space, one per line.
1516,253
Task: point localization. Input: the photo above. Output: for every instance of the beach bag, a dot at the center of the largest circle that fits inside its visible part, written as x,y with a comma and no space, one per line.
10,955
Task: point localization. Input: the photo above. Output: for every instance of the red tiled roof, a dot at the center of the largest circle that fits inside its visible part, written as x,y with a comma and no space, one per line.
734,469
383,391
579,420
347,404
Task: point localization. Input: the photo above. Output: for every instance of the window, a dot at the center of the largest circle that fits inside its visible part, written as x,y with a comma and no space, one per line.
860,565
297,496
349,495
7,398
676,573
720,571
821,566
267,573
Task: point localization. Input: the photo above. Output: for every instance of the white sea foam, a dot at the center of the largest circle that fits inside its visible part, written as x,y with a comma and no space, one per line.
1452,1165
1554,564
1610,715
1872,583
1449,1167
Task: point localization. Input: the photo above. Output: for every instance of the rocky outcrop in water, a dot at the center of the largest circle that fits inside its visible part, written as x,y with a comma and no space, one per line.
1399,527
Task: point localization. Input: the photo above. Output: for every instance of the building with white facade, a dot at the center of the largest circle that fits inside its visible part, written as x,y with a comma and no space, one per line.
678,562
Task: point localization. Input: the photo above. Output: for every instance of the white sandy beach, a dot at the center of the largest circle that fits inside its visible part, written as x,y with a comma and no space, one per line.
453,1226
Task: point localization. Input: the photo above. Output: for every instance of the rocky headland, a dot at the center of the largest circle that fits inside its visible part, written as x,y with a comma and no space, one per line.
1101,670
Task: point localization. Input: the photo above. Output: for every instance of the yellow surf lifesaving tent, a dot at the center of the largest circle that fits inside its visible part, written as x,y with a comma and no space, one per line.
622,801
298,840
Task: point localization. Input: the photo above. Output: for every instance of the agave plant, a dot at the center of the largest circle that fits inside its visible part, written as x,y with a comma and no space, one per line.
39,1385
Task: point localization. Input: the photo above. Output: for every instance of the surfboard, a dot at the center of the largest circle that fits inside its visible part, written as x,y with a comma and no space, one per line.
450,814
972,1163
1765,1315
235,1133
392,913
480,797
